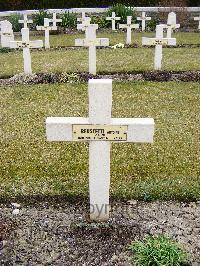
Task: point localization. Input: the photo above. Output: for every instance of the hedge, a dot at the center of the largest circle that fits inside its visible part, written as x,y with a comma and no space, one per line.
45,4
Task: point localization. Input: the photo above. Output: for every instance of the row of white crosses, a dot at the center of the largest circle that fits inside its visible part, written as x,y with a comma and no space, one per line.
99,129
143,18
91,41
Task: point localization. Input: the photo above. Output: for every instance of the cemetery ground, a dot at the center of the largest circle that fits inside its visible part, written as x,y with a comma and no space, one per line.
154,187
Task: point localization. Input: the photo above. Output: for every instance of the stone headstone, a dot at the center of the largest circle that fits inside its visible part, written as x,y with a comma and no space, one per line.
6,33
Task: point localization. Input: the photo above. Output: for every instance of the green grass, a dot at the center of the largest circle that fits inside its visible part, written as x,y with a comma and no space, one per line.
168,169
158,251
117,37
108,60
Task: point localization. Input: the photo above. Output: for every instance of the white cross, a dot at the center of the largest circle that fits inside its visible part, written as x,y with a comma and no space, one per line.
197,19
26,21
171,24
99,129
85,24
54,20
46,28
143,18
158,42
92,42
26,44
82,18
6,33
113,19
129,27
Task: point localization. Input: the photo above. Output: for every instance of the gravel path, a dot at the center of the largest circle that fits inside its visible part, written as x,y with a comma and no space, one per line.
54,234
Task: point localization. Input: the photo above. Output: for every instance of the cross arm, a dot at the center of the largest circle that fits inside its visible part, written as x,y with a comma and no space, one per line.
139,130
31,44
96,42
46,28
156,41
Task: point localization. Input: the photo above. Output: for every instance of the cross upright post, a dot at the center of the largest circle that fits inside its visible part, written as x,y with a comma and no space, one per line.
143,18
171,24
83,17
55,20
113,18
129,27
26,44
85,24
100,129
46,29
158,42
92,42
198,19
25,21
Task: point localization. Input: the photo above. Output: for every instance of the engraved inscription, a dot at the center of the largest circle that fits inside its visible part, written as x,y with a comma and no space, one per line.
99,133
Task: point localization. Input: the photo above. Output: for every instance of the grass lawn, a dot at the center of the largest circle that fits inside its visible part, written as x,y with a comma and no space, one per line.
119,37
168,169
108,60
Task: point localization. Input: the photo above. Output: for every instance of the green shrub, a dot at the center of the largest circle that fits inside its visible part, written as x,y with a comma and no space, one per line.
5,50
38,19
14,20
69,20
122,11
101,21
158,251
151,24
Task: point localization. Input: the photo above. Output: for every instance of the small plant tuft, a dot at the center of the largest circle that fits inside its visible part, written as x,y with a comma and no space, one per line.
158,251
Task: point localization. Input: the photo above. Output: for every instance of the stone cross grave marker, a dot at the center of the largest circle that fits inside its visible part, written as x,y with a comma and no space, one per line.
83,17
171,24
198,19
99,129
55,20
26,44
143,18
25,21
92,42
85,24
46,29
6,33
113,19
158,42
129,27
